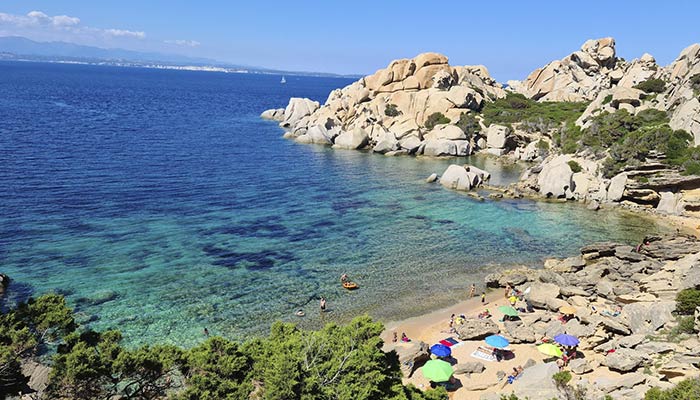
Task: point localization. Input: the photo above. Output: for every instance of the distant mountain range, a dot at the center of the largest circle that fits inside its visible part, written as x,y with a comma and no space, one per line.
20,48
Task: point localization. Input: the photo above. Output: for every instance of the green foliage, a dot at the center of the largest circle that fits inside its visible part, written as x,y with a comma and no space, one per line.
686,325
607,99
688,389
652,85
391,110
543,116
568,137
629,139
543,145
469,124
562,378
575,167
436,119
25,330
511,397
687,300
695,81
340,362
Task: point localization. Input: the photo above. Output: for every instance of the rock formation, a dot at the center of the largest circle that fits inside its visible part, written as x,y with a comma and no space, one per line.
392,106
624,300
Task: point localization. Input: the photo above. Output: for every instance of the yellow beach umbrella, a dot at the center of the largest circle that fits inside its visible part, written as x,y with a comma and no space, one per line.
567,310
550,350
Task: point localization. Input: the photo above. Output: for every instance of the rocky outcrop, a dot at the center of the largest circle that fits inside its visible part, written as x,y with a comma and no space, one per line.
463,177
410,355
624,302
275,114
353,140
4,283
578,77
392,107
555,178
473,329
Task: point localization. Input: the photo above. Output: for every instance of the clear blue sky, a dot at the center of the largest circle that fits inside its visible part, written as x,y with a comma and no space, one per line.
510,37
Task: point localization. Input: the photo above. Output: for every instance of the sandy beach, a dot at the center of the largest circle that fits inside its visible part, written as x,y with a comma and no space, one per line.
434,326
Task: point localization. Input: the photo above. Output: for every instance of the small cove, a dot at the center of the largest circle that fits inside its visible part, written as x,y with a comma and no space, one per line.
159,203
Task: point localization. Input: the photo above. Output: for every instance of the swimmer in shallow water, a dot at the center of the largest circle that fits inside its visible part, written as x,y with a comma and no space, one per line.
300,313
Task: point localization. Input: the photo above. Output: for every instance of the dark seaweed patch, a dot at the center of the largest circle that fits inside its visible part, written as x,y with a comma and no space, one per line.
444,221
253,261
418,217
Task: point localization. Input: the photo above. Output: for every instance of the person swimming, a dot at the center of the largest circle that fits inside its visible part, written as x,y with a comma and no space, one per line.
300,313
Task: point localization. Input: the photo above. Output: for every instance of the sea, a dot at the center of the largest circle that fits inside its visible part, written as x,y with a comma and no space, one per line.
160,204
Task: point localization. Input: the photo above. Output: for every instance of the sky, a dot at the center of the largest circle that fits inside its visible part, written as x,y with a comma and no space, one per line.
511,38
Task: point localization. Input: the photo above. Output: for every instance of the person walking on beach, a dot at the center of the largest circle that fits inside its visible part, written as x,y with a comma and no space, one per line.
323,304
472,291
483,297
508,289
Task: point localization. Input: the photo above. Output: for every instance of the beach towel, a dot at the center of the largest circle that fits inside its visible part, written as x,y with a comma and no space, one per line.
449,342
483,354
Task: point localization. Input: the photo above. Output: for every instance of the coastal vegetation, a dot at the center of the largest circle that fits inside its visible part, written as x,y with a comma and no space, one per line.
338,361
391,110
534,115
652,85
436,119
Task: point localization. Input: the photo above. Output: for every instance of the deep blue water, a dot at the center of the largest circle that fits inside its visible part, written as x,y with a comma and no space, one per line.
160,203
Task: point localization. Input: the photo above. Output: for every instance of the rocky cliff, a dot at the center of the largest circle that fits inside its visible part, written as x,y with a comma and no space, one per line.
424,106
390,111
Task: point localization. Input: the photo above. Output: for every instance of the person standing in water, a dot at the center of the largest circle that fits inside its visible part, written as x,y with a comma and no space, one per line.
323,304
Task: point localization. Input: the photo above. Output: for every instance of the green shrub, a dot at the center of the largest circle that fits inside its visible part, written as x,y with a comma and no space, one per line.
543,145
562,378
391,110
686,325
607,99
629,139
695,81
652,85
469,124
436,119
516,108
642,179
687,300
688,389
575,167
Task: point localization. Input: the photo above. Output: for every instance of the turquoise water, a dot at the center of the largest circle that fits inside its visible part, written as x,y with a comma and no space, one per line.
159,204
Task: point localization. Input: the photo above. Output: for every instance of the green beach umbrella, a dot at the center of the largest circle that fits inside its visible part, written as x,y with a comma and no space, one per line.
437,371
508,310
550,350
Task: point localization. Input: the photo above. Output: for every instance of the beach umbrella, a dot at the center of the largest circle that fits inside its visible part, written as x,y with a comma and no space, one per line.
440,350
566,340
497,341
508,310
567,310
437,371
550,349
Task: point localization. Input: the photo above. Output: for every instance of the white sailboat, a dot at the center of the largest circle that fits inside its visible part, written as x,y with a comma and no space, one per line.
283,81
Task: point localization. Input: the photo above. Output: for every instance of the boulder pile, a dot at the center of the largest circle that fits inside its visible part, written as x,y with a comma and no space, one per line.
625,314
390,110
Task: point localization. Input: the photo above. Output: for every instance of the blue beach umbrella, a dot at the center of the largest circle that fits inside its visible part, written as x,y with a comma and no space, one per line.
497,341
566,340
440,350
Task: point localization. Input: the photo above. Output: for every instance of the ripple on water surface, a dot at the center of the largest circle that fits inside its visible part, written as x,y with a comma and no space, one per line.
159,203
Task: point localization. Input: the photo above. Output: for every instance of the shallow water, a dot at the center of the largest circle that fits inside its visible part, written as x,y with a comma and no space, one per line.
160,203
